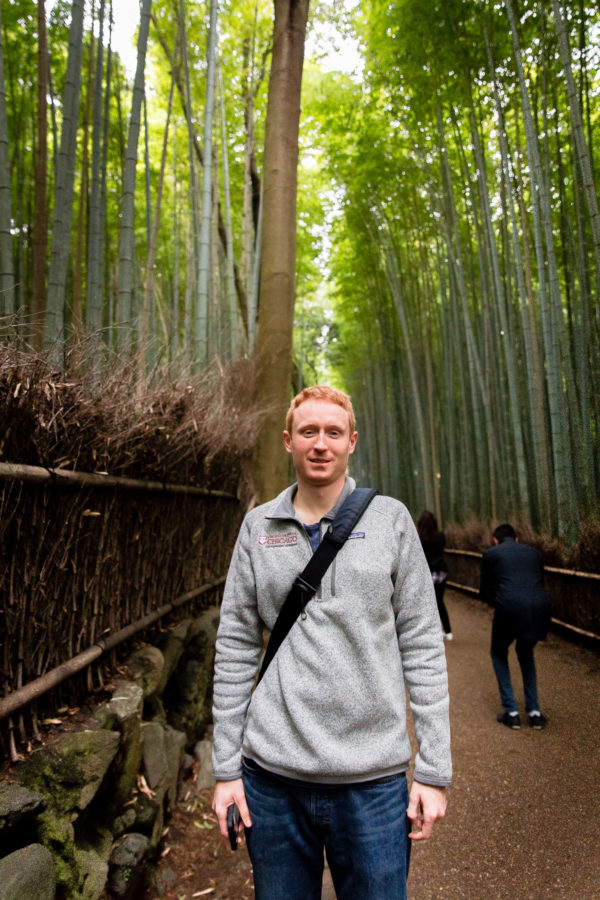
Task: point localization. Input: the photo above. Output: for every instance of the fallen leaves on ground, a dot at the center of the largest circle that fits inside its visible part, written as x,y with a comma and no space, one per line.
196,860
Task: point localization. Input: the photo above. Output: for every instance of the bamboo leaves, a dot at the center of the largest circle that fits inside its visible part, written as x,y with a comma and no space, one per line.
476,157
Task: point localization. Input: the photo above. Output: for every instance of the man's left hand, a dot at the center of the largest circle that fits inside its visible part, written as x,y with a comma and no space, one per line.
426,805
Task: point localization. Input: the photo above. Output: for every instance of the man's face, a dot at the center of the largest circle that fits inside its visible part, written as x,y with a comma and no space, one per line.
320,442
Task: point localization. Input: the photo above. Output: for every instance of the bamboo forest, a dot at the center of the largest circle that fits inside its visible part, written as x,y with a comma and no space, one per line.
419,227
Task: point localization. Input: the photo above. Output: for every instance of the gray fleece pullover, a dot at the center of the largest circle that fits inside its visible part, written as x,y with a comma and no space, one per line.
332,706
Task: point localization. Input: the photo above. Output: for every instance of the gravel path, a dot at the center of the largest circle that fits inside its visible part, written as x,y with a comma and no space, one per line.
524,811
523,818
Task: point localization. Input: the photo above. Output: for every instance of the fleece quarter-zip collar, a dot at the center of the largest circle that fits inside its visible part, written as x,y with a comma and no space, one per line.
285,508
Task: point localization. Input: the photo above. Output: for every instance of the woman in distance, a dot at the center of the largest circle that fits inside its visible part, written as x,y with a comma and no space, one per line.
433,541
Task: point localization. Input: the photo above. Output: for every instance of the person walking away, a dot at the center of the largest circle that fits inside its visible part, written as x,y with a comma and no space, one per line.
315,756
512,581
433,542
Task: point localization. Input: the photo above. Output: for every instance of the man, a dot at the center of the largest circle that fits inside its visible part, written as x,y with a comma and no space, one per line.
512,580
316,757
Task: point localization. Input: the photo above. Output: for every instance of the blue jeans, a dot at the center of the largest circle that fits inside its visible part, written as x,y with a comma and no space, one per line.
502,638
363,830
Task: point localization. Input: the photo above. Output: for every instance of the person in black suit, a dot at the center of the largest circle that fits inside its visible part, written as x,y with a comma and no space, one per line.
512,581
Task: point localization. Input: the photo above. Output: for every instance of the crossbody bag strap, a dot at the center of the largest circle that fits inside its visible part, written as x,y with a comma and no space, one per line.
307,583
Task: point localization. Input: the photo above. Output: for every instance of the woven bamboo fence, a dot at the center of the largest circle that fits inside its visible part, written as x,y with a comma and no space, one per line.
114,501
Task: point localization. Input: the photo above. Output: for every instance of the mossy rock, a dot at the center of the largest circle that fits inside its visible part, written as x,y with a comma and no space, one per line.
28,874
69,771
128,864
58,836
146,667
81,870
188,696
175,749
126,704
172,645
17,805
93,870
154,755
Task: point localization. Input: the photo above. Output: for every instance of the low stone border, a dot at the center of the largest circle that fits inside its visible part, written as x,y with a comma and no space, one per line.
85,813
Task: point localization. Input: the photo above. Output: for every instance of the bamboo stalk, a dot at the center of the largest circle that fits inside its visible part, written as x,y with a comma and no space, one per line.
35,689
68,477
462,552
573,572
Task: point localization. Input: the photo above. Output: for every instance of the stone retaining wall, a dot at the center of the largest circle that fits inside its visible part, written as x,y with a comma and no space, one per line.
84,815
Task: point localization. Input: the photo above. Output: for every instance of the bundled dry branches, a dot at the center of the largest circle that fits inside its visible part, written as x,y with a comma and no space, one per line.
187,430
583,555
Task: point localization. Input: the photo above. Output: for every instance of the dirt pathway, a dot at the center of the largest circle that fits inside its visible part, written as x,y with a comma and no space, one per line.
524,812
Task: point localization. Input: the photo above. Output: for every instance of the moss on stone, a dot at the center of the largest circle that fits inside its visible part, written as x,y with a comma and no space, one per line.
69,772
57,835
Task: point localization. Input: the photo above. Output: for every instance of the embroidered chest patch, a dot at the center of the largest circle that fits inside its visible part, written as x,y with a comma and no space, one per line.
356,535
278,540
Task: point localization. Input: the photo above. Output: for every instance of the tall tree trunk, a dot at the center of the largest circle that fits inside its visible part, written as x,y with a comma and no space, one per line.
173,319
508,342
229,262
253,292
581,149
550,307
95,244
83,213
273,352
395,286
248,151
202,307
63,192
126,235
148,301
107,289
7,280
197,150
540,471
193,235
40,221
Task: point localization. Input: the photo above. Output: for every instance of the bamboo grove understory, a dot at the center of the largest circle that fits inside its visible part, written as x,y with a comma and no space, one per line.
448,229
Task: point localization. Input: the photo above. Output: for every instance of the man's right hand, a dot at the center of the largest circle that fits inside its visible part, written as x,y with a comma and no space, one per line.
226,793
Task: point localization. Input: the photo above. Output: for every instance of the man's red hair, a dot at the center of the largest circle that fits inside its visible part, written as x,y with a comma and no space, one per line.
321,392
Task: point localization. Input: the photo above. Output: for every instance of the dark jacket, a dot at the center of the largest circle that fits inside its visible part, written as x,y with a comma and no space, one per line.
512,581
434,552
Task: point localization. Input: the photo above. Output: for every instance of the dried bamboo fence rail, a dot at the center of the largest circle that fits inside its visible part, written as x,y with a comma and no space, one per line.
69,477
85,557
35,689
578,604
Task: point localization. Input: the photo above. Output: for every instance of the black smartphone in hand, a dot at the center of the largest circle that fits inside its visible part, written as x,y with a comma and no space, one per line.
233,821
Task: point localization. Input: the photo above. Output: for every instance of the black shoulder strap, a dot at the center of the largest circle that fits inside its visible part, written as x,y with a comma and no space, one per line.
307,583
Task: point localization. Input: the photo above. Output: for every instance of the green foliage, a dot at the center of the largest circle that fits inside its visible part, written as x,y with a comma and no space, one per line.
440,277
245,37
423,263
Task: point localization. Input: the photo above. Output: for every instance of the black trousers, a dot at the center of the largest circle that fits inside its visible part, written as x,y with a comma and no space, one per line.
439,596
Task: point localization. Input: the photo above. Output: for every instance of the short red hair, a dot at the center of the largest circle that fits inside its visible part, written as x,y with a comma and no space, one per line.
321,392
